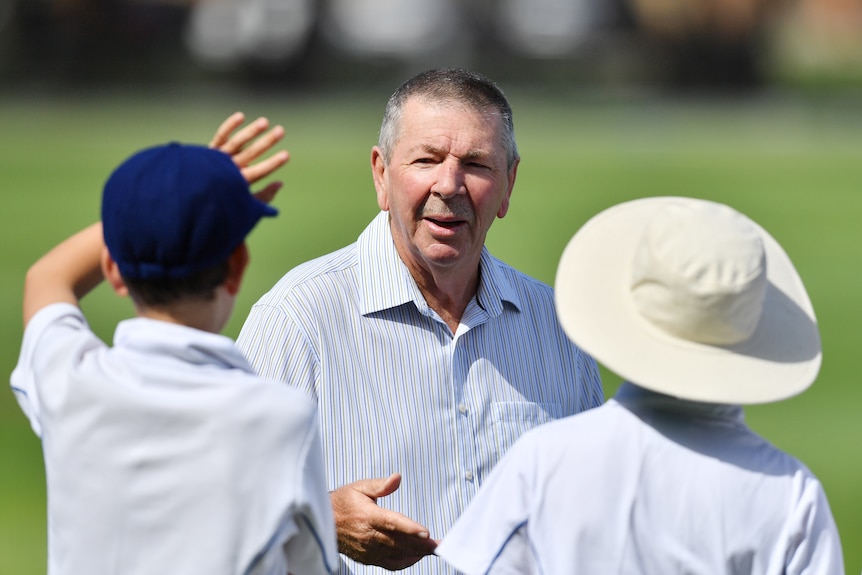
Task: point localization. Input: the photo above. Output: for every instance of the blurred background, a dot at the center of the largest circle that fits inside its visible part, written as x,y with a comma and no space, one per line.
675,44
754,103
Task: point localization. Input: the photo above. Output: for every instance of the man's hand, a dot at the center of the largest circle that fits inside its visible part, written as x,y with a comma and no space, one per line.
247,145
375,536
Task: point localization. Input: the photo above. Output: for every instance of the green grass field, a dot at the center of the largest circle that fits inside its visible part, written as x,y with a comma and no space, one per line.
795,167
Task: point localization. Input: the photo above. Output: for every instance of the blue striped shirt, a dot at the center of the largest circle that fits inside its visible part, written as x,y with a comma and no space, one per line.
398,392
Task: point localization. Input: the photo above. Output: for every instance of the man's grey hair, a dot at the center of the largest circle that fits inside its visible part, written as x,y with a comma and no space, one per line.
448,85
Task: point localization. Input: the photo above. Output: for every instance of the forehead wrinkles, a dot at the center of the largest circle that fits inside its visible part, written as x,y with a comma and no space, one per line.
468,154
445,138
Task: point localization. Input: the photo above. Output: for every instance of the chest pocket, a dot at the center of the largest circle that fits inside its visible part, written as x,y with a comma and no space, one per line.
511,419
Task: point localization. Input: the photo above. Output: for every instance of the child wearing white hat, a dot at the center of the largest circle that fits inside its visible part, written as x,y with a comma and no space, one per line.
701,311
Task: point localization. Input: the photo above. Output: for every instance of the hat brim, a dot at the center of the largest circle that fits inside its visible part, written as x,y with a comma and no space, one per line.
595,308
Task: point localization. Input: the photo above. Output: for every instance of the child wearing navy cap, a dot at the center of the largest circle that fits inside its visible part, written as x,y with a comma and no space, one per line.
166,453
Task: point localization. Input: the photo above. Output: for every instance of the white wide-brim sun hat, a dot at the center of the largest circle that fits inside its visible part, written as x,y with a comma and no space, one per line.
689,298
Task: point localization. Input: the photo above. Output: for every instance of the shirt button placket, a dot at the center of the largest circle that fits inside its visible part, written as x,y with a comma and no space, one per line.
466,433
462,409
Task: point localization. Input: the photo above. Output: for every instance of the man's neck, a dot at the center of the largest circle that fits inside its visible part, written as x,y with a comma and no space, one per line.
448,292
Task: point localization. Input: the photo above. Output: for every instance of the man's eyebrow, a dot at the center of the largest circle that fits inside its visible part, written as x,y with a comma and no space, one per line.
474,154
431,149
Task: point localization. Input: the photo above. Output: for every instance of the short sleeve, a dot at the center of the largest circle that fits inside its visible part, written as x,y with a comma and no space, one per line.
517,556
45,331
313,548
813,541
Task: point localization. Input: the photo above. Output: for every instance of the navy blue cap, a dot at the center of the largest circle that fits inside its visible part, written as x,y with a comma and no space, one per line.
175,209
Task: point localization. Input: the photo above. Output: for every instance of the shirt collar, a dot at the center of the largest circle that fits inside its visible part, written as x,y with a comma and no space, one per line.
187,344
385,281
637,399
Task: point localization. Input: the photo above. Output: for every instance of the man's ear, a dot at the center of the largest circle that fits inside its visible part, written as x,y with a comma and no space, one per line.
378,172
112,274
504,206
237,264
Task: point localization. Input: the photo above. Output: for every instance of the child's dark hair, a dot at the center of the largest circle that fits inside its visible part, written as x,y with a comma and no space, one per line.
162,291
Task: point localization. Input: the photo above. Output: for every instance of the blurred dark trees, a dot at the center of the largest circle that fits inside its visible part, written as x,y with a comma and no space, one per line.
671,44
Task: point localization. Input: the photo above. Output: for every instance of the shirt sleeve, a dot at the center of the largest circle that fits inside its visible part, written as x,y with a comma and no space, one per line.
517,556
313,549
492,534
813,540
25,376
277,348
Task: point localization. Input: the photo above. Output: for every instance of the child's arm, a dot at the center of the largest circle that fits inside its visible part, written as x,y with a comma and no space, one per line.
66,273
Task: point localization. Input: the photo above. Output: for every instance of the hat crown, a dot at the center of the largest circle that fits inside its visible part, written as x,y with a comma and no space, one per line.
699,273
171,210
689,298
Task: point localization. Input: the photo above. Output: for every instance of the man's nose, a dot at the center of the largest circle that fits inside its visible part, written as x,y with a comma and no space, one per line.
450,179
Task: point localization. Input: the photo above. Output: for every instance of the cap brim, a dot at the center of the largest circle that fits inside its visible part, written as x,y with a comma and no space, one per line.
595,308
265,210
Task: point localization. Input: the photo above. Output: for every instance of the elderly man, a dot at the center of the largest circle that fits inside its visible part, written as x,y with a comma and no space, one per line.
427,356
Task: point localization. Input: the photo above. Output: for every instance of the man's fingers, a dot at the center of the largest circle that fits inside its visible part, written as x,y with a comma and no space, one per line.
400,525
390,484
403,550
415,546
372,534
379,486
394,550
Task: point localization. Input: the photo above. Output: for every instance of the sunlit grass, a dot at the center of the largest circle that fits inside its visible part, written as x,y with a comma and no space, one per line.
792,167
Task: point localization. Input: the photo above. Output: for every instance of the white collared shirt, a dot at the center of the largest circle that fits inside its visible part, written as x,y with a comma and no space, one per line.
398,392
166,454
664,486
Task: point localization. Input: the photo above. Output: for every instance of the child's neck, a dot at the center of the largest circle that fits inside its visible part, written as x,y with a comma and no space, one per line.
207,315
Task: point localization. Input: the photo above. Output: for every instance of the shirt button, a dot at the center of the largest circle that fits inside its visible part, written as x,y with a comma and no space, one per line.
468,476
462,408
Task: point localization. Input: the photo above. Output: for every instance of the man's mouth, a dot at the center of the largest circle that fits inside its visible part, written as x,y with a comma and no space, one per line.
445,223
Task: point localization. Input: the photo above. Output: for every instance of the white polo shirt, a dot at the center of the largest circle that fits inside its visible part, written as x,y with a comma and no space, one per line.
647,484
166,454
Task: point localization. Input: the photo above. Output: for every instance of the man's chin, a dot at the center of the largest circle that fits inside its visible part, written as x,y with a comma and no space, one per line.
444,255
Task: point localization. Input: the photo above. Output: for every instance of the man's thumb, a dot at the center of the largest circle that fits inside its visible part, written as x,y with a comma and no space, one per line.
383,486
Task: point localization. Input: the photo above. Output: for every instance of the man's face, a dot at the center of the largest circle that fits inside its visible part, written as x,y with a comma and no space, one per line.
446,181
